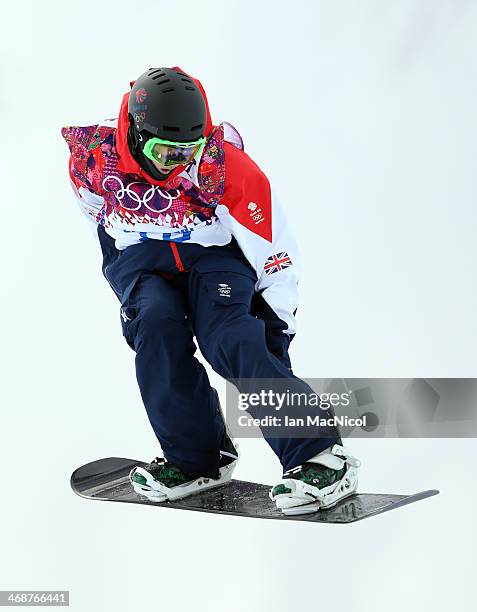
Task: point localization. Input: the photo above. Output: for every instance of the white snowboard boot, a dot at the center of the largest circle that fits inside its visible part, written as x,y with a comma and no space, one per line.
319,483
160,481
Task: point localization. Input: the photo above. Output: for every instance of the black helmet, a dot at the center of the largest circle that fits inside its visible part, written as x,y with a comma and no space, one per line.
168,104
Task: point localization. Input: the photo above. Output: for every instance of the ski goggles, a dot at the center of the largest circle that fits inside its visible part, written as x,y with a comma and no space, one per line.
170,153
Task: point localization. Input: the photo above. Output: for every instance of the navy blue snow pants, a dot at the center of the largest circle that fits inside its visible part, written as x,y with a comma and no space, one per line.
169,293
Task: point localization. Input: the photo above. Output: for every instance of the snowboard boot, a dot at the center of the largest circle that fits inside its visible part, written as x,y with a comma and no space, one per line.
161,481
318,484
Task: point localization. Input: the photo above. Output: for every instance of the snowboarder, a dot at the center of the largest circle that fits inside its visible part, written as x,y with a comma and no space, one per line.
196,244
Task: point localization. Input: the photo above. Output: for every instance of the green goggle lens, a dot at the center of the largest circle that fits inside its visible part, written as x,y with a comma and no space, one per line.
170,153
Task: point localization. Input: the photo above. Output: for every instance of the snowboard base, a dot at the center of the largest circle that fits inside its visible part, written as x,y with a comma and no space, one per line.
107,479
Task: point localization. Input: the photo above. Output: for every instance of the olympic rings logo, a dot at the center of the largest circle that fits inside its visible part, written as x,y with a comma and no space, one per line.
138,117
136,197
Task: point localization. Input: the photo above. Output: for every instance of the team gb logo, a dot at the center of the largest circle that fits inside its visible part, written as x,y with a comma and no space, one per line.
255,213
141,95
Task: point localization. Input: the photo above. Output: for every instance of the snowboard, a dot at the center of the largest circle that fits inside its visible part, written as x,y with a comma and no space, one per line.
107,480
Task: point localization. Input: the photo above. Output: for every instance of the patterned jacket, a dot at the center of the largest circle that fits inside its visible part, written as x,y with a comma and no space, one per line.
219,195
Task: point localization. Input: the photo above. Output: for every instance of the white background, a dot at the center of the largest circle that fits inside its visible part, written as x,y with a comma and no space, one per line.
363,115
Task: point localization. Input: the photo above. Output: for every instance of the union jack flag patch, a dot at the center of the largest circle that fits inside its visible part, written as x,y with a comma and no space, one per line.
277,262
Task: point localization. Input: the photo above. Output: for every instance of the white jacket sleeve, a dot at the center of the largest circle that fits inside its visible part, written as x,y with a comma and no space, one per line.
90,204
279,276
276,261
